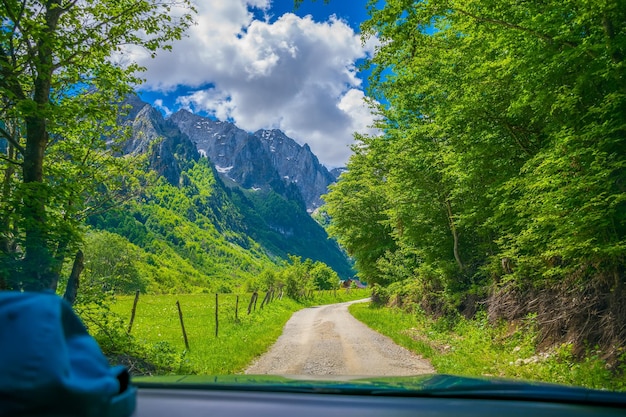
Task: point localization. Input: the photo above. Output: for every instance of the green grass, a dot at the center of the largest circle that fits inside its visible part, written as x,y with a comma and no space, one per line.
238,342
475,348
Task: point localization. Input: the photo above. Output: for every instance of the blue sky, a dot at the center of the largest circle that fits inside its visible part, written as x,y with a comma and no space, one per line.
264,64
352,11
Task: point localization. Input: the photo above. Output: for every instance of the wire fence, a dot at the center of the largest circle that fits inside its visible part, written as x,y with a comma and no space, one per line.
197,317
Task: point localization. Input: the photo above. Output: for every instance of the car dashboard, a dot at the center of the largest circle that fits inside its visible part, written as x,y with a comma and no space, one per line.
447,396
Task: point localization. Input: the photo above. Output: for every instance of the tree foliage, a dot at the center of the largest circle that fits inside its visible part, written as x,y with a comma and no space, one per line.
299,277
501,157
64,64
112,263
358,207
324,278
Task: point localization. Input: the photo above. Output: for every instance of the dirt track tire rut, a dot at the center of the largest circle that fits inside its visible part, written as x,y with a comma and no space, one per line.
329,341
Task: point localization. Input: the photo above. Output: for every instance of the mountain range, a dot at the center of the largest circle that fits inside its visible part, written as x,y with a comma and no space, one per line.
262,186
263,160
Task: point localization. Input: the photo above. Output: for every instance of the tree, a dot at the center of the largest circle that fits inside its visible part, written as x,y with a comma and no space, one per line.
504,125
297,277
358,206
324,278
63,70
267,279
111,263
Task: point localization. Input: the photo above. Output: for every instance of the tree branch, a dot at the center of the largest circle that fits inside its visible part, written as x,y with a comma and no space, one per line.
455,235
8,79
16,19
11,140
89,33
69,5
547,38
9,160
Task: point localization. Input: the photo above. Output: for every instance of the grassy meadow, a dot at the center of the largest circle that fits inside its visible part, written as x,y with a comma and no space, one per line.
475,348
239,341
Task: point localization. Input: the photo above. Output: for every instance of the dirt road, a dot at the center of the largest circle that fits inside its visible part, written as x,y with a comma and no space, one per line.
327,340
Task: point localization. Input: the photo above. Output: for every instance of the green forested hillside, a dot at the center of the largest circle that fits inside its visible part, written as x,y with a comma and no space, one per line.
498,181
192,236
202,236
283,228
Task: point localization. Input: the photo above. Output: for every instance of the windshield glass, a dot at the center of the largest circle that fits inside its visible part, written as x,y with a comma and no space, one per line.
318,191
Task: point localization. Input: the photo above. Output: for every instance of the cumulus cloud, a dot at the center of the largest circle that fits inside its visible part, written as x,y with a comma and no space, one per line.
158,103
292,73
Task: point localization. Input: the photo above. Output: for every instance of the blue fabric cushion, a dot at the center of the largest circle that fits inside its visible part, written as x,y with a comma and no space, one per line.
50,365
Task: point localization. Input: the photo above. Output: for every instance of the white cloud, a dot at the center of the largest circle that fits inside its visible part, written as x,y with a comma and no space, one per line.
293,73
158,103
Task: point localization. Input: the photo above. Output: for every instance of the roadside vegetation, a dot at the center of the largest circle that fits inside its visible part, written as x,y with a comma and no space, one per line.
478,348
115,270
496,186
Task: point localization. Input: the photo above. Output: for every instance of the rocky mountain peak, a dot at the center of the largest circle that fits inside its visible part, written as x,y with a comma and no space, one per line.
171,149
266,159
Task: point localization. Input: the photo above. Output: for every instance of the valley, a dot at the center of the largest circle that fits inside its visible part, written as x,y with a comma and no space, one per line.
195,226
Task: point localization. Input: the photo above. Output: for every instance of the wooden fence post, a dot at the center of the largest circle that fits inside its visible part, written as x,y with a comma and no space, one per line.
217,322
255,295
265,299
182,324
73,282
132,313
237,309
250,304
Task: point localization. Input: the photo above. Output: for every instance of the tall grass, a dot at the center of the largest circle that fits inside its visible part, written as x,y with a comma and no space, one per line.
476,348
239,341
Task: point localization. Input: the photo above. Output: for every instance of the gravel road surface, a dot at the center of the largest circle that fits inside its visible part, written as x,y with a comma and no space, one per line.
328,340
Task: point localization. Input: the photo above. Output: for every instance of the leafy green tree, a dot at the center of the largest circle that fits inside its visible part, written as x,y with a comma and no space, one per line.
111,263
502,135
357,205
63,68
267,279
324,278
297,277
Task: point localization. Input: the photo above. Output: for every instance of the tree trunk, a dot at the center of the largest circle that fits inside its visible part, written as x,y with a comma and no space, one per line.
455,236
37,261
73,283
6,243
37,271
6,196
56,265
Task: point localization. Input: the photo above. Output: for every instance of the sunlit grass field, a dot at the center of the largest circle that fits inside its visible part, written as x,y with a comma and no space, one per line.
475,348
239,341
